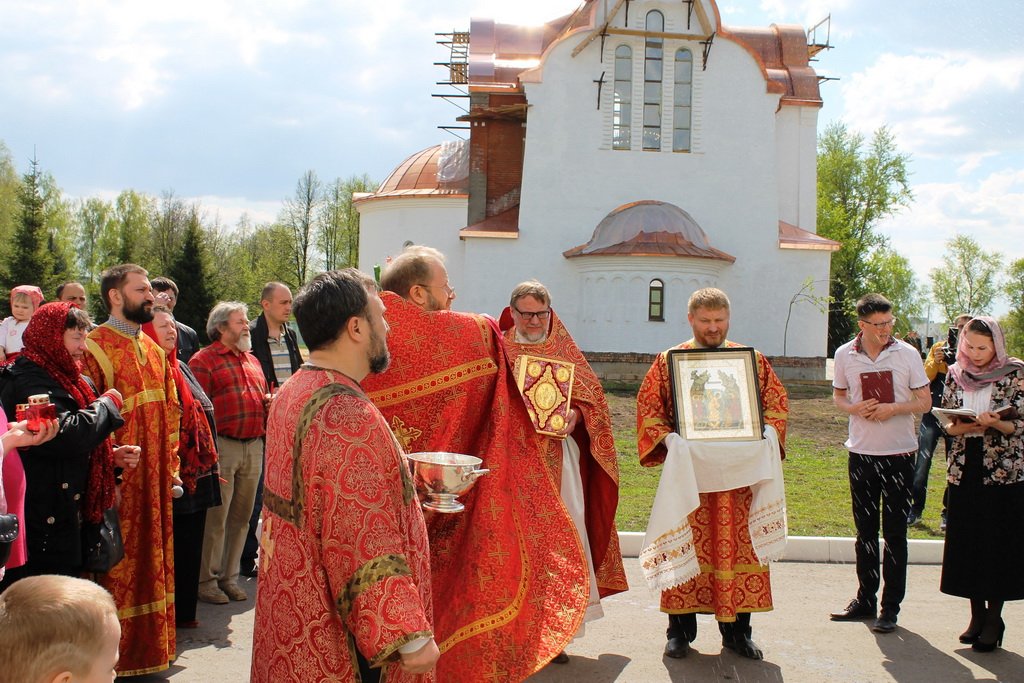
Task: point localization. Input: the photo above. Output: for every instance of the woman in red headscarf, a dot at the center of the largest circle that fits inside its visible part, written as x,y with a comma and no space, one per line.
72,476
199,472
984,547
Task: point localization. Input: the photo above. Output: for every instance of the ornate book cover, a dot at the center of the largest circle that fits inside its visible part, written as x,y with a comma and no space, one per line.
546,386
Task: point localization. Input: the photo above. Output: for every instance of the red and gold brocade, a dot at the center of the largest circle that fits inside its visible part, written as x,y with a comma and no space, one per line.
731,579
354,571
509,573
599,468
143,582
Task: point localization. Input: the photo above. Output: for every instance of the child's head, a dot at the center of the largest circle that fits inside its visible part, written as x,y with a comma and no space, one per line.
58,629
24,301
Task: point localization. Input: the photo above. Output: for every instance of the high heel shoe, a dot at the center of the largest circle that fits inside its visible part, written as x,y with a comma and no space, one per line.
970,636
980,645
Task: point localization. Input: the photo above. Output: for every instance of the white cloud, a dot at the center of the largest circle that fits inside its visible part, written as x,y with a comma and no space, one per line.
932,100
990,210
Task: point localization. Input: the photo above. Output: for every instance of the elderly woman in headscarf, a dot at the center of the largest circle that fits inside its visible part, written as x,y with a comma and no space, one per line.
197,449
72,477
984,547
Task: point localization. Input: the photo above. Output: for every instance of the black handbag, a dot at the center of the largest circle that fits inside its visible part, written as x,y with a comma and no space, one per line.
102,545
8,534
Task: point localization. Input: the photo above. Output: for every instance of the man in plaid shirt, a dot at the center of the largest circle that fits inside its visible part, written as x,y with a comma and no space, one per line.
232,378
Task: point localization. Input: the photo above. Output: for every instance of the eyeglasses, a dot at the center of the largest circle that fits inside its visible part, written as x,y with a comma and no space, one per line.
449,291
882,325
529,315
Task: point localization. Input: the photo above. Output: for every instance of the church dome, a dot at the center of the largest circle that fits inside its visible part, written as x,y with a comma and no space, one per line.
649,228
441,170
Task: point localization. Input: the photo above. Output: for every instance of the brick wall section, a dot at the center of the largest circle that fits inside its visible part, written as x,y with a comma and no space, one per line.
495,159
631,367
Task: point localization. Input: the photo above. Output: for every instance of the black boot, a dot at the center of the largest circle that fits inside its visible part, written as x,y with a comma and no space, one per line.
736,637
682,630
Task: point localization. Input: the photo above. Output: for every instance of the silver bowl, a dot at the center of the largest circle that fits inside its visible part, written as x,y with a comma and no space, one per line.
443,476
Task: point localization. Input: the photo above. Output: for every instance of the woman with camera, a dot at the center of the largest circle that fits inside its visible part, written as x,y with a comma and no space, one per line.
984,547
72,476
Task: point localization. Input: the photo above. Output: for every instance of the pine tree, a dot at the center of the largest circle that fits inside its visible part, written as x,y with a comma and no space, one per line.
30,262
192,272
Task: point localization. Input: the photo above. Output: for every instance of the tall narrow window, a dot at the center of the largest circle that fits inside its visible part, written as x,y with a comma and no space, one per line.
683,98
656,301
622,109
653,67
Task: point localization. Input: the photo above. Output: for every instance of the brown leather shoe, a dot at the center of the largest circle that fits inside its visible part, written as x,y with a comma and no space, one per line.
854,611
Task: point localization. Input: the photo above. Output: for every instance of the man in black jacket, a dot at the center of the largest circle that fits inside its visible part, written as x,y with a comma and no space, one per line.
276,348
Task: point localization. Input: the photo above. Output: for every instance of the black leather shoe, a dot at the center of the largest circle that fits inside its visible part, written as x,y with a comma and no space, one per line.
561,658
677,647
855,610
885,623
741,644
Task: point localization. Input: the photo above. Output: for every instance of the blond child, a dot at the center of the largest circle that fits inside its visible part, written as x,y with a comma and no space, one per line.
25,299
58,629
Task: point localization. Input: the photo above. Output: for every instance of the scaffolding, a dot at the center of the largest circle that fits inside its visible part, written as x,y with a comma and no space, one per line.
457,67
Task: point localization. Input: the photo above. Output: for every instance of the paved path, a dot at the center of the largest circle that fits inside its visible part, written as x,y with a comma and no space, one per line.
800,643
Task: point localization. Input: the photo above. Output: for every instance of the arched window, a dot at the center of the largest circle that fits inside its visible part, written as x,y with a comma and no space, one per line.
622,105
653,67
656,301
682,100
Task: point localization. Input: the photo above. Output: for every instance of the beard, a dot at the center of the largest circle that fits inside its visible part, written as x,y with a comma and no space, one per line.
244,343
379,355
141,314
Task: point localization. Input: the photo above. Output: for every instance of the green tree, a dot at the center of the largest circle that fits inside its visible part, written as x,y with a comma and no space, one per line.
133,212
30,262
10,203
857,188
890,274
968,279
58,215
167,231
338,225
192,272
1013,323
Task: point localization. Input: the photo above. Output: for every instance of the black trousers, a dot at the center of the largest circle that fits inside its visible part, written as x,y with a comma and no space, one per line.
685,626
880,489
189,529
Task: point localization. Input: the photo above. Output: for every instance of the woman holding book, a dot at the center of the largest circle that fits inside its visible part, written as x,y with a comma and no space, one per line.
984,547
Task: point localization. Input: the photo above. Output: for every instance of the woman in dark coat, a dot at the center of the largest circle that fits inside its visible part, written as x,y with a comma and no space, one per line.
984,547
72,477
200,478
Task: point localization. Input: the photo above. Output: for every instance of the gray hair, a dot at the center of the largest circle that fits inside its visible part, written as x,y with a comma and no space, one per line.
220,314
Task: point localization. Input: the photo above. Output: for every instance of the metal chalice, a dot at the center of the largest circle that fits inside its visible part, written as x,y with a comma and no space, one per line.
443,476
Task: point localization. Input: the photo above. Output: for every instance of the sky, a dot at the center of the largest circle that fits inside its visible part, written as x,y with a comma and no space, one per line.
229,102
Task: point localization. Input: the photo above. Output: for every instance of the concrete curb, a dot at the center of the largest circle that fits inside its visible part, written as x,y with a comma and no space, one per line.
813,549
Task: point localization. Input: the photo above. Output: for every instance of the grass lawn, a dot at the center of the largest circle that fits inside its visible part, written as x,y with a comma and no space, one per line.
817,489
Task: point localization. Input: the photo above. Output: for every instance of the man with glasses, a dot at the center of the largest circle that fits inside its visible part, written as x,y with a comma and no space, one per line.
880,382
589,473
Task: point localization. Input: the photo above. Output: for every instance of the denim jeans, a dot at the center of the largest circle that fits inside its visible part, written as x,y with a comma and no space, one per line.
927,439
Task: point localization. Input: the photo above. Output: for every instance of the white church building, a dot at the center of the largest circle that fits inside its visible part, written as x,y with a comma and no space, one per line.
626,155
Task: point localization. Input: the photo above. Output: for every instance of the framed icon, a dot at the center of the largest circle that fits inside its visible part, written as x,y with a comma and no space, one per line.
716,394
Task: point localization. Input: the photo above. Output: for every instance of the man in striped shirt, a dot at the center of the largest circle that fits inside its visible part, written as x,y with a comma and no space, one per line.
276,348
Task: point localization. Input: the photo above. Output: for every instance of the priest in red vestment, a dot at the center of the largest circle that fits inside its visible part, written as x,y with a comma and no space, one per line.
589,472
509,573
732,582
344,591
121,357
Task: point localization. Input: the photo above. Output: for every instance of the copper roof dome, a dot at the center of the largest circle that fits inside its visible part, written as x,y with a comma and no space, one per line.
417,177
649,228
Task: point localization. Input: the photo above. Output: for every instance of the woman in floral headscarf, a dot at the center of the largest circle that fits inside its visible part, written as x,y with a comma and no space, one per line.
984,547
72,476
199,472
